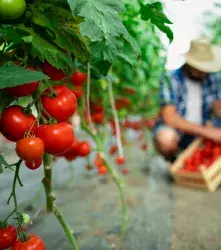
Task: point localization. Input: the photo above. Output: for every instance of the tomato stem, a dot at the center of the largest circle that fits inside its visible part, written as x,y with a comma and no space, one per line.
19,218
47,181
118,179
91,124
50,196
116,119
67,230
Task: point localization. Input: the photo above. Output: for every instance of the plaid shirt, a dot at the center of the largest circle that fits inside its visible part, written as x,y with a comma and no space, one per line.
175,92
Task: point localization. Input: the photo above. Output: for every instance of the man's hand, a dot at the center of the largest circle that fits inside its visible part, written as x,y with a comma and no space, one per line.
213,134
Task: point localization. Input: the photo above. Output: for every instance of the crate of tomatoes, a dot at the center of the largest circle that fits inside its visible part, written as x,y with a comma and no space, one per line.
199,166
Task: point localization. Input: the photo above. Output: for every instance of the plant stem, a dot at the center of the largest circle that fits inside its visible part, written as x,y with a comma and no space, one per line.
21,233
47,182
121,186
116,119
67,230
118,179
93,129
50,197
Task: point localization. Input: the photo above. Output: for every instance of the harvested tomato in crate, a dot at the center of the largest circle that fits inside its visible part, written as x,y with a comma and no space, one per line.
199,166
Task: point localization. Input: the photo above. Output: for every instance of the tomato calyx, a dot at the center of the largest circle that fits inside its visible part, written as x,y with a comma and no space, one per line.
52,94
27,110
22,234
3,224
52,121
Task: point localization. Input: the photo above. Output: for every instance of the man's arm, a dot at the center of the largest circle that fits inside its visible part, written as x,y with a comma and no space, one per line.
173,119
217,108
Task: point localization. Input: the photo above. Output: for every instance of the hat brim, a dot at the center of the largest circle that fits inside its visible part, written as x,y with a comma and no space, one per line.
206,66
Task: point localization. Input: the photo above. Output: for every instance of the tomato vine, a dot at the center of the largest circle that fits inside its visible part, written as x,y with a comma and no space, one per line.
48,51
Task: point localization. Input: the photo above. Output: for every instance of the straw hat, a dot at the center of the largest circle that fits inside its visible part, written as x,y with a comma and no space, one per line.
203,56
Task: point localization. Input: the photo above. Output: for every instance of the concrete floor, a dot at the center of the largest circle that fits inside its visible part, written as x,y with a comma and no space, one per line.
163,216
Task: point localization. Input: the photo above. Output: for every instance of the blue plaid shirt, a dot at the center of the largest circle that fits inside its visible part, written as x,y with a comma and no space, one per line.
175,92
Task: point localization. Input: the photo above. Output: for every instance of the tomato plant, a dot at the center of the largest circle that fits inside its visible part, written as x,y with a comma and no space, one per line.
75,57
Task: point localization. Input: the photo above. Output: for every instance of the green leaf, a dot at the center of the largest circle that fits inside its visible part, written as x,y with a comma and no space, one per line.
125,58
65,37
44,50
102,25
154,13
12,75
3,164
166,30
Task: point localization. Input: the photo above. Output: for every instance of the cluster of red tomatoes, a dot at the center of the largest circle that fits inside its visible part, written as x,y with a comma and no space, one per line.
205,155
97,113
8,238
102,168
140,124
55,136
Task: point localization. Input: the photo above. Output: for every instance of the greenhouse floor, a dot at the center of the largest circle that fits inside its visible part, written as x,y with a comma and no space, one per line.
162,216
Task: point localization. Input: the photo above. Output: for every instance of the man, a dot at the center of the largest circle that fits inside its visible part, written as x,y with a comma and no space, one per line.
189,98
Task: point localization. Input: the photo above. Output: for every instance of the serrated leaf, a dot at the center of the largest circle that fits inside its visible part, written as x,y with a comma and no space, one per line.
166,29
125,58
64,37
155,14
44,50
103,26
12,75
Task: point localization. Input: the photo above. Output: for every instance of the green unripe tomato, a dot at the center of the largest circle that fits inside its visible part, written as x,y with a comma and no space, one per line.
11,9
26,218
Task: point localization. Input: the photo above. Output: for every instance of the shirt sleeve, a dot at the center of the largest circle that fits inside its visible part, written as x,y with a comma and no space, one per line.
168,91
216,82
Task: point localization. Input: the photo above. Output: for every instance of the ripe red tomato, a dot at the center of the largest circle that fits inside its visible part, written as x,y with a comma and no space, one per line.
120,160
62,106
83,149
78,91
125,171
22,90
102,170
30,149
35,164
8,237
98,161
78,78
54,73
34,243
14,123
57,138
97,117
113,150
71,154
